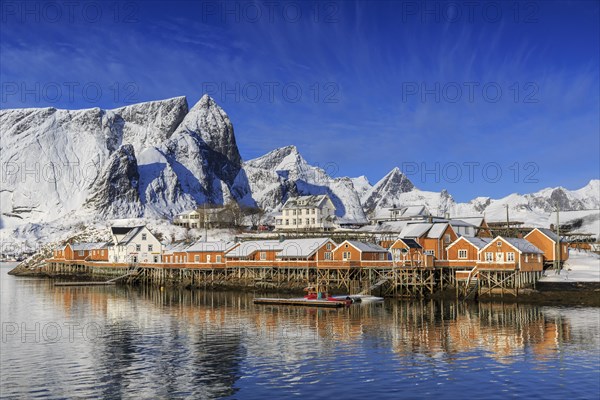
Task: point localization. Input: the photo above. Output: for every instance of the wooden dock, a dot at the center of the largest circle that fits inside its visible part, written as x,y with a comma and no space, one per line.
300,302
109,283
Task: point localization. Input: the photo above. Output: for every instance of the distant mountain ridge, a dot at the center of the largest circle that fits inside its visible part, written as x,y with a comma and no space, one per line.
159,158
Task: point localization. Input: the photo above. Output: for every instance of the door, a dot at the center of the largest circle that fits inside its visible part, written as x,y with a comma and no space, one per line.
499,257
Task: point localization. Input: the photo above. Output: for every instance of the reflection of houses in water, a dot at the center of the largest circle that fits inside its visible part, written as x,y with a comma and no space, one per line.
503,330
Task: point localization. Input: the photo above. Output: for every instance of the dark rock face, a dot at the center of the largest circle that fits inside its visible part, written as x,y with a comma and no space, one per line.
115,192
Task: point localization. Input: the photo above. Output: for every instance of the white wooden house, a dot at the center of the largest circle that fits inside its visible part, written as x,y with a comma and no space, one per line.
134,245
307,213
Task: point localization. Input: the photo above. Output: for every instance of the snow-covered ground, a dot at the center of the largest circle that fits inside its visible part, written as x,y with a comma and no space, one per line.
582,266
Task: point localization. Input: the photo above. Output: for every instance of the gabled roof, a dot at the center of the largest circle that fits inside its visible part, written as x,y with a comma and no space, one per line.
437,230
460,222
205,247
245,249
549,233
87,246
365,247
415,230
477,221
302,247
410,243
306,201
479,243
174,247
129,232
521,245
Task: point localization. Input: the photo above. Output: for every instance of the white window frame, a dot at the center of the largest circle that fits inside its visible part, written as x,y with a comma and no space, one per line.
346,255
144,236
489,256
510,257
463,254
263,255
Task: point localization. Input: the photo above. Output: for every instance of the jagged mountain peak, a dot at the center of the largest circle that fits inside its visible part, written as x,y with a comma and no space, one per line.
211,124
283,158
385,192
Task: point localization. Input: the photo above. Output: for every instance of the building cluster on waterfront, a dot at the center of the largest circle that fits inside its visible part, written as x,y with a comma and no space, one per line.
418,245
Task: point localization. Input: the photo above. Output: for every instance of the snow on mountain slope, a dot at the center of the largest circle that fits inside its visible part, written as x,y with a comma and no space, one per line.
55,161
62,169
284,173
385,192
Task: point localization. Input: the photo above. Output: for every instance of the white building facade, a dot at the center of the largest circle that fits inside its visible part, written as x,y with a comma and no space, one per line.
134,245
307,213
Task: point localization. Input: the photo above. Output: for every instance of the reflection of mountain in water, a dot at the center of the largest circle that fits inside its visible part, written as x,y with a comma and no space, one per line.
167,343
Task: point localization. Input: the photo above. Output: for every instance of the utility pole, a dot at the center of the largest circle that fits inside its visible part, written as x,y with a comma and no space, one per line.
205,216
507,221
557,261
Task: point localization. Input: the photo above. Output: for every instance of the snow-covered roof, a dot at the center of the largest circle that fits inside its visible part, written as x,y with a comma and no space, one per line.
302,247
459,222
306,201
524,246
129,232
201,246
437,230
174,247
410,243
478,242
551,234
415,230
245,249
88,246
366,247
477,221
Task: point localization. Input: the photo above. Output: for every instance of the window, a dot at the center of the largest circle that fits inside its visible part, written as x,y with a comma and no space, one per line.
219,259
278,222
307,221
489,256
263,255
327,255
208,258
510,256
381,256
134,259
294,221
499,243
143,236
293,212
346,246
155,259
539,258
312,211
526,258
197,259
287,221
446,238
328,246
313,220
150,247
81,252
102,252
462,254
346,255
138,247
429,252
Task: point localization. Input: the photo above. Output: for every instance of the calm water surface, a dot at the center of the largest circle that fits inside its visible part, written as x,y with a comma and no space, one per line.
121,342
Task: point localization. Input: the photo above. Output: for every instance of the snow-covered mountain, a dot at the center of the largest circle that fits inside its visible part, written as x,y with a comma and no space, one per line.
148,159
152,160
284,173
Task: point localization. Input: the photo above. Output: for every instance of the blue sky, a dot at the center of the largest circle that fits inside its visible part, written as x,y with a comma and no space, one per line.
464,91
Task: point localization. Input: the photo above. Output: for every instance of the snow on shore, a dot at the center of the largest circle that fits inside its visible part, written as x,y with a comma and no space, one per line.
582,266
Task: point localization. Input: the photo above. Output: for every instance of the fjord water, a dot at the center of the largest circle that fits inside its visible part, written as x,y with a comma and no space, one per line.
112,342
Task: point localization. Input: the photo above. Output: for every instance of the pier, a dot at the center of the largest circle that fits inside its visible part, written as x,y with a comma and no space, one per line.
382,279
